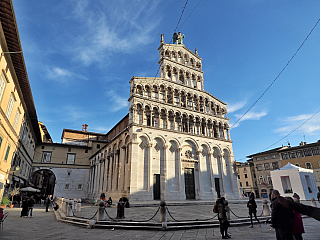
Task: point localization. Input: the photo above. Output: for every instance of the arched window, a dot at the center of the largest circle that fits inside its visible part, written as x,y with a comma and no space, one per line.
297,164
308,165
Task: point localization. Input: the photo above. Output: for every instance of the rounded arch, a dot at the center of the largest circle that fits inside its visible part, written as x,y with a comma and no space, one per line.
45,180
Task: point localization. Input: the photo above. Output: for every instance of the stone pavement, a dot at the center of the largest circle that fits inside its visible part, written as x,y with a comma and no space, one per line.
44,225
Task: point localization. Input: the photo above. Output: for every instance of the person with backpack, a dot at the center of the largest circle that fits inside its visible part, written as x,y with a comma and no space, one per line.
220,208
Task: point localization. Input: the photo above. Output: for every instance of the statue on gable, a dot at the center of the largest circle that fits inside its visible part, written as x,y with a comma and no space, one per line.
178,38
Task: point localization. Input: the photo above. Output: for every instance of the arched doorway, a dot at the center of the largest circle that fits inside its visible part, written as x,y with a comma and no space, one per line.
44,180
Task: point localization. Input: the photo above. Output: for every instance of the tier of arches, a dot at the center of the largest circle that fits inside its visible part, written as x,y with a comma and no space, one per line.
182,58
180,98
183,122
182,76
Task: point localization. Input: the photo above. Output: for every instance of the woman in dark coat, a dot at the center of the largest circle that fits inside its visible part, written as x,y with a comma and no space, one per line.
252,206
223,220
24,211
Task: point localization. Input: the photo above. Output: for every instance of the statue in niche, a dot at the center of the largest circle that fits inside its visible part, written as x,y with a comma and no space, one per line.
178,38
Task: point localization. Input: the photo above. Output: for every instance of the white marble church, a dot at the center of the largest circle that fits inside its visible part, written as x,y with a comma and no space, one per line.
174,144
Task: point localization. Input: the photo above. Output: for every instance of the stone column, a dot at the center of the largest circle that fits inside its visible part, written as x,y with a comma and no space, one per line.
211,173
149,179
180,169
199,174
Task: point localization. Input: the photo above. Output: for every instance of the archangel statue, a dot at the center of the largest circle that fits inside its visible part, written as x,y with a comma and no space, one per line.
178,38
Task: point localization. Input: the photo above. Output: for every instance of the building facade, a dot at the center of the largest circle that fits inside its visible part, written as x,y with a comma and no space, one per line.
175,143
247,180
305,156
19,130
62,169
263,163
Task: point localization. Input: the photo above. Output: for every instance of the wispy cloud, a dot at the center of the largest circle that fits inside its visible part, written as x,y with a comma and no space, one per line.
62,75
312,127
233,107
113,26
249,116
119,102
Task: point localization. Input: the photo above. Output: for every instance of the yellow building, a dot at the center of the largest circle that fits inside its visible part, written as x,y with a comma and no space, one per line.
19,130
62,169
246,178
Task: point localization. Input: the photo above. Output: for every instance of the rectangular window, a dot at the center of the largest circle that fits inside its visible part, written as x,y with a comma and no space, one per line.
259,167
275,165
10,106
285,156
240,184
292,155
266,166
79,186
98,145
7,153
246,176
315,151
247,184
66,186
16,120
46,157
299,154
3,84
307,152
71,158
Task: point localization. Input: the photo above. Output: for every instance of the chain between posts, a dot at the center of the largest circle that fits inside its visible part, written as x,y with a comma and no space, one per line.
189,220
118,220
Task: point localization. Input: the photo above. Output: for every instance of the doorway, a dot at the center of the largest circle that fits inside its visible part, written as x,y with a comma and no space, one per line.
156,187
217,186
45,181
189,183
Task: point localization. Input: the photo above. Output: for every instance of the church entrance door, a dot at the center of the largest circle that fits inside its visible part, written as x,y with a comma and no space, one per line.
217,186
156,187
189,183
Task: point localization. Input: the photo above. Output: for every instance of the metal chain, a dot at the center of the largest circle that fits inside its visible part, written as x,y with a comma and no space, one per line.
189,220
118,220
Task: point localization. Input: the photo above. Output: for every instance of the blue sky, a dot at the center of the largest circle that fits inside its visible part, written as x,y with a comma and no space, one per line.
81,54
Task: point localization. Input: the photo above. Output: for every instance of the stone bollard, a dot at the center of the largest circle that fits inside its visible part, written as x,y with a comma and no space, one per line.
163,214
78,207
265,208
66,205
101,212
74,203
120,209
70,210
313,202
227,209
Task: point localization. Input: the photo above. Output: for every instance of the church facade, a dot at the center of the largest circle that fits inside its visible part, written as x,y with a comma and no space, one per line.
175,142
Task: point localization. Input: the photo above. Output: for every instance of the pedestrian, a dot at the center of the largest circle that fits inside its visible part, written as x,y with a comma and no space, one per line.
1,213
24,205
318,196
298,228
222,217
31,203
103,196
109,202
48,201
282,217
18,198
252,206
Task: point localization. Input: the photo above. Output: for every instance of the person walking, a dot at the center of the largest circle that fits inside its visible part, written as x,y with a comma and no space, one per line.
282,217
222,217
31,203
252,206
24,205
318,196
48,201
298,228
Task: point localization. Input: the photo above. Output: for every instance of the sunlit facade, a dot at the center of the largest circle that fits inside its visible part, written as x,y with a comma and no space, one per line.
175,142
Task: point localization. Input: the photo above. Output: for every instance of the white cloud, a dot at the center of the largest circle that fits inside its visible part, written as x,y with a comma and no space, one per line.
235,106
115,26
311,127
62,75
118,101
249,116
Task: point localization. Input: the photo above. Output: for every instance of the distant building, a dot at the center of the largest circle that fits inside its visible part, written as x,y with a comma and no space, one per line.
263,162
305,156
247,179
19,130
174,144
62,169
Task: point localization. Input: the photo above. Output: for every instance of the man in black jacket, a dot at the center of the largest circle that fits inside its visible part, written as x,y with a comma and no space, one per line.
282,217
